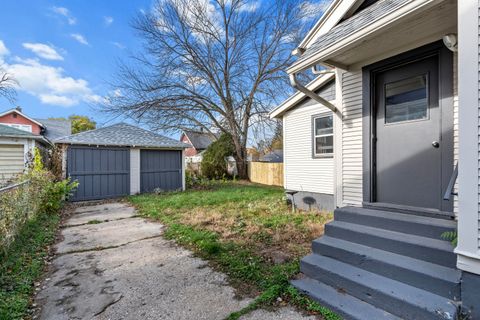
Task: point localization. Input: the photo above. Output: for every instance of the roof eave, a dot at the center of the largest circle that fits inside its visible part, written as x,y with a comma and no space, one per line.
334,13
33,137
72,143
18,136
326,55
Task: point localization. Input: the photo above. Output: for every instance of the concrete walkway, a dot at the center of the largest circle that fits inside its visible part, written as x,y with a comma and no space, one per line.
112,264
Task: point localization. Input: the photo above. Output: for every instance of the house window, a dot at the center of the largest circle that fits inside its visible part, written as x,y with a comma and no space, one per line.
323,136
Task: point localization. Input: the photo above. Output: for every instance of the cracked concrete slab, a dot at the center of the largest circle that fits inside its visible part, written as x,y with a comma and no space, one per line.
108,234
101,215
149,279
104,206
139,277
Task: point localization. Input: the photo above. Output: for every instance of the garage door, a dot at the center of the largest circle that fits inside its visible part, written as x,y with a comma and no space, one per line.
11,161
160,169
101,172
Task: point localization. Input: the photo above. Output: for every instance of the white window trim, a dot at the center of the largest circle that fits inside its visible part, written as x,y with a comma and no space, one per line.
315,136
19,126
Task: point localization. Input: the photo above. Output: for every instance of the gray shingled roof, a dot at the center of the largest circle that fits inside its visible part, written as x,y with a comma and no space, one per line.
122,134
55,128
200,140
353,24
6,131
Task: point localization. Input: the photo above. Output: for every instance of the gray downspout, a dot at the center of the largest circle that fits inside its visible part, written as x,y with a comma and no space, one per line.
295,84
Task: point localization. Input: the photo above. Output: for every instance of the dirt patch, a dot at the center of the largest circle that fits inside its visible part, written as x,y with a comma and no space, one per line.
263,227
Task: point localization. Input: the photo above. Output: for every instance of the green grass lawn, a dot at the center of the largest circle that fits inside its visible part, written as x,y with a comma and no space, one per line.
246,231
23,263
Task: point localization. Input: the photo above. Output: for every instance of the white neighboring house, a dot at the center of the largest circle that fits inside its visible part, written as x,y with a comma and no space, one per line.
16,150
19,134
405,114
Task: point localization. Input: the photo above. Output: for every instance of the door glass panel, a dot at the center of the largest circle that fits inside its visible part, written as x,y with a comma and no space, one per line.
406,100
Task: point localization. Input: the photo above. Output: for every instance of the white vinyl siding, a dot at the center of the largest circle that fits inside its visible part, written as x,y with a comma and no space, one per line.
352,138
12,161
455,126
468,248
304,172
478,115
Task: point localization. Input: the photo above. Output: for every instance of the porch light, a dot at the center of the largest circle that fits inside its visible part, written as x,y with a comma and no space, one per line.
451,42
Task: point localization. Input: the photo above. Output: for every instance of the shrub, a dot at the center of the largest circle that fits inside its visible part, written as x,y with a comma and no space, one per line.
214,164
37,193
451,236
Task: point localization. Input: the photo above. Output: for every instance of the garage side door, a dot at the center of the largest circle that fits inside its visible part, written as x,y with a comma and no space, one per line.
11,161
101,172
160,169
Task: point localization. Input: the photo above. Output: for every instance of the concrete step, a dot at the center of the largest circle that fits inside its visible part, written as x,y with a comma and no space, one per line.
400,222
428,276
390,295
421,248
348,307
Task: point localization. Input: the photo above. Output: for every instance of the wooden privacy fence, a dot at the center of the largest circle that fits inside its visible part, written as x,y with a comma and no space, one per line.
266,173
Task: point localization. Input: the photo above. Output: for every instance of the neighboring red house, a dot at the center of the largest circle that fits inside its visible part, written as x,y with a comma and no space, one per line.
200,140
47,128
16,119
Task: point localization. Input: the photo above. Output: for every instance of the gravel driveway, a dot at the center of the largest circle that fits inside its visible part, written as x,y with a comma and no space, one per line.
112,264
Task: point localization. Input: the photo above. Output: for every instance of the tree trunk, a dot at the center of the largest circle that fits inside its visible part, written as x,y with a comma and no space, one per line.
240,156
242,168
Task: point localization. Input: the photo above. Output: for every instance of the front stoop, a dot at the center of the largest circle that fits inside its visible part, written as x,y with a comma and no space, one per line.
376,264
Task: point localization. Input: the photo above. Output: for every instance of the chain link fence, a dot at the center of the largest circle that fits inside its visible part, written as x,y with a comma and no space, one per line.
18,203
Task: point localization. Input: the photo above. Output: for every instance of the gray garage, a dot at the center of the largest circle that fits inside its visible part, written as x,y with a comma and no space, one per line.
122,159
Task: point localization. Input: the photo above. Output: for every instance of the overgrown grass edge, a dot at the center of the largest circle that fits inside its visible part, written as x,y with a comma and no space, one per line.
23,263
243,266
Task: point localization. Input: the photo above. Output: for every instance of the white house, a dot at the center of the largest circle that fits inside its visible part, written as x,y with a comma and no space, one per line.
19,134
16,149
308,156
405,113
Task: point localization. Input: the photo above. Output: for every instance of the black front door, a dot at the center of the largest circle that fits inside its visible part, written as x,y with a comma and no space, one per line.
412,151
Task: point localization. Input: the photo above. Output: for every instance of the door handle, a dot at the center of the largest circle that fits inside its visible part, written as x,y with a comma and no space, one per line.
435,144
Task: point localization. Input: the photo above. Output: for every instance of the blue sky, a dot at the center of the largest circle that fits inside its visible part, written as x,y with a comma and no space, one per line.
63,52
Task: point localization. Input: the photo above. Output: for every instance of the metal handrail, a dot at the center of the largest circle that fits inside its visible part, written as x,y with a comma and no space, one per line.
13,186
451,184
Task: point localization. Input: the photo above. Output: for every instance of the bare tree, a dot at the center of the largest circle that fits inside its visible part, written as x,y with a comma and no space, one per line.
7,85
211,64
